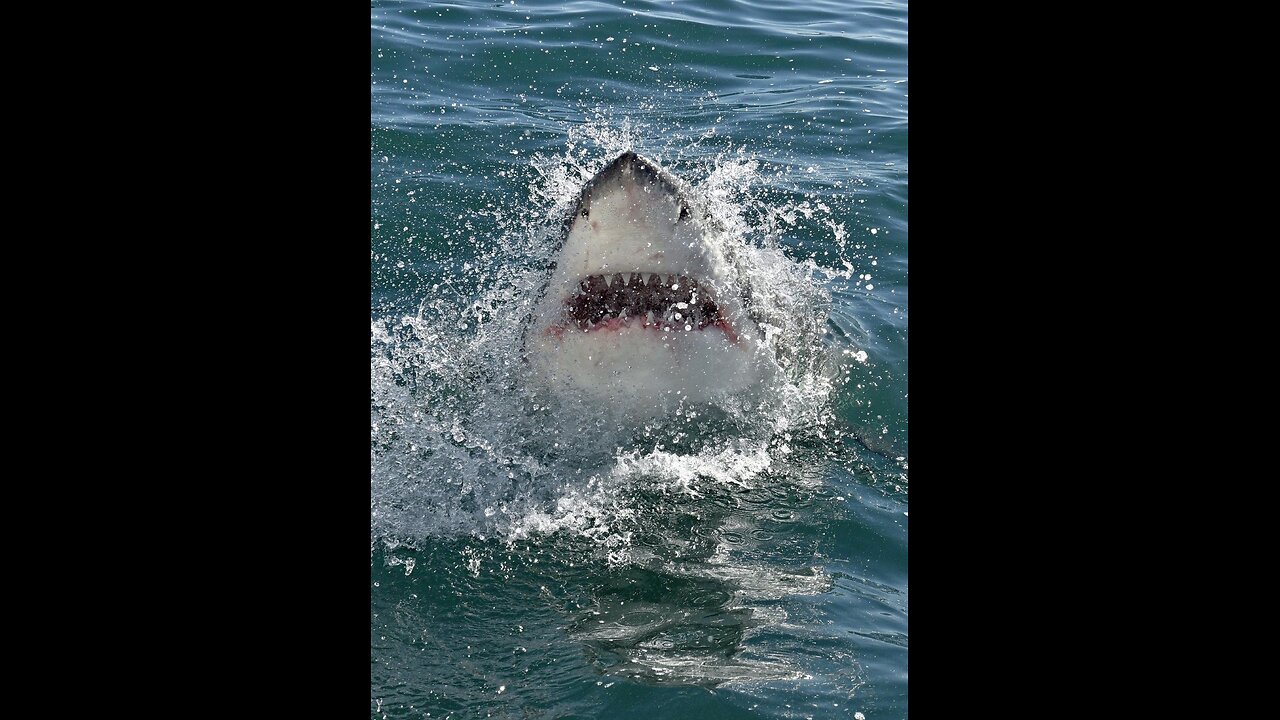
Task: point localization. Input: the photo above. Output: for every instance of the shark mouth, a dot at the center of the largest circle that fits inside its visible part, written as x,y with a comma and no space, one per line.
668,303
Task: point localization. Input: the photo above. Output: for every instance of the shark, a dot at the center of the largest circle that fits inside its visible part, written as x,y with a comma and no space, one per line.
644,297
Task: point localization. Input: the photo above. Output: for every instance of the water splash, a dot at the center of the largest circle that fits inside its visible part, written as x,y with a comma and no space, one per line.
460,445
694,498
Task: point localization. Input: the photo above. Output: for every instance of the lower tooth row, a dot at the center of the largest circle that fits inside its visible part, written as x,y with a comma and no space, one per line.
671,313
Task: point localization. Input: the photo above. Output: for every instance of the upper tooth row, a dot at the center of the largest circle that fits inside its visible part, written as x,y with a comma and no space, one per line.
670,280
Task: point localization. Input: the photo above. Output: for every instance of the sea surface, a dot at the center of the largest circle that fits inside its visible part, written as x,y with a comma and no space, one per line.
551,557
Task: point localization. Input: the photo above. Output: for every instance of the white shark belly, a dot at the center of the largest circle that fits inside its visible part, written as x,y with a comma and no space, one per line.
646,362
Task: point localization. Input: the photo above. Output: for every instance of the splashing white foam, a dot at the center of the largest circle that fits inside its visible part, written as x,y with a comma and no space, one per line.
461,446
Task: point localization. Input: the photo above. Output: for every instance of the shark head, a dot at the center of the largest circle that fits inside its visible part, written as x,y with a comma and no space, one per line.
644,299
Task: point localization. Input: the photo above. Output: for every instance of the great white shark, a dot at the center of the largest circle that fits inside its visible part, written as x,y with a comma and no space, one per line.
644,298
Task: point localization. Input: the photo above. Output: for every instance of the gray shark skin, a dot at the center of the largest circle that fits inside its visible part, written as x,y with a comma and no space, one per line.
644,299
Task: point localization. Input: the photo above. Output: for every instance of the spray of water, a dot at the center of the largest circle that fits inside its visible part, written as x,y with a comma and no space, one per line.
466,453
460,444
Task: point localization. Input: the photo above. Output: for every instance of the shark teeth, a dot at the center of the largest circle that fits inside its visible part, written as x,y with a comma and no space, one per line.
655,299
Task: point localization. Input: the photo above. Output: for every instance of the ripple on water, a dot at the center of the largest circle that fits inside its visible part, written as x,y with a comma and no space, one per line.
554,562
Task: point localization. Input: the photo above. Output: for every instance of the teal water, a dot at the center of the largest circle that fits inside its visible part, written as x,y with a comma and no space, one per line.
539,559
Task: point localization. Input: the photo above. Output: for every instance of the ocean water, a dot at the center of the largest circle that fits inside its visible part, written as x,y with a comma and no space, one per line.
534,556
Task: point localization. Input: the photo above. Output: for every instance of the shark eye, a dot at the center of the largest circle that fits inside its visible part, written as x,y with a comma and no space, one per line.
684,213
584,212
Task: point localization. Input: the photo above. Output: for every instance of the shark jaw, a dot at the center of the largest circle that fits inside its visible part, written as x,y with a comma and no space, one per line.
643,300
609,303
